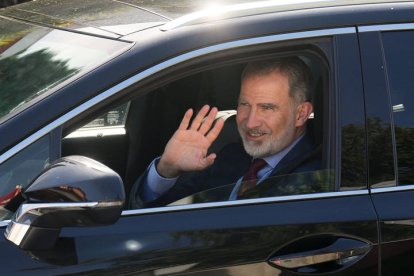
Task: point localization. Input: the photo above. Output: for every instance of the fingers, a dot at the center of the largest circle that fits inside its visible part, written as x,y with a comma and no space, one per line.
186,119
208,122
202,124
195,125
215,131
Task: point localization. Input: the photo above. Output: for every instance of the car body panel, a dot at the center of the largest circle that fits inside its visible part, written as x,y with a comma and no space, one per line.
198,239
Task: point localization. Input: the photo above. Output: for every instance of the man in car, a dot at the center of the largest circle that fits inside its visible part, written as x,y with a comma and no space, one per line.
272,112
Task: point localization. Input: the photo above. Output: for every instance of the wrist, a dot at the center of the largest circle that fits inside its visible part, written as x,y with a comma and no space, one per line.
166,170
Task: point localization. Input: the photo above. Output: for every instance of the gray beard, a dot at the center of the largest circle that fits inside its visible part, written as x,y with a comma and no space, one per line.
268,147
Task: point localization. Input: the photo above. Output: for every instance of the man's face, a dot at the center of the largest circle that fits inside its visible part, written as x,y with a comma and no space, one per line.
266,114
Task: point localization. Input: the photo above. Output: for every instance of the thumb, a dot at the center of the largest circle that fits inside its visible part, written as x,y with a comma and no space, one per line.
209,160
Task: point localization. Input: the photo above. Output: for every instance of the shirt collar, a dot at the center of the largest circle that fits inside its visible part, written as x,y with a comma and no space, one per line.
274,159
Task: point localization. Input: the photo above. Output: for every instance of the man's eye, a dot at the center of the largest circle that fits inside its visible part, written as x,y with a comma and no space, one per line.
268,107
243,104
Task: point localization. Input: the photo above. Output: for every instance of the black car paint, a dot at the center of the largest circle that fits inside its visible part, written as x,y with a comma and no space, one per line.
208,237
224,236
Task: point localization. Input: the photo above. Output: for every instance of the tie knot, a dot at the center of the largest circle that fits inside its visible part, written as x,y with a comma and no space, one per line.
255,166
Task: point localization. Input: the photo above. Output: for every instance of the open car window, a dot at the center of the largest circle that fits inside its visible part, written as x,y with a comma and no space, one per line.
150,117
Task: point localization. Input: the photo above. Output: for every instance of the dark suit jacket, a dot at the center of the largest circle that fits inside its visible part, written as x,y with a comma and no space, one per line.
231,163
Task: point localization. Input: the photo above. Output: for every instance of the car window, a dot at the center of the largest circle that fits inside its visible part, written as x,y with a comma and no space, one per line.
161,111
154,113
398,50
35,59
153,119
110,123
20,170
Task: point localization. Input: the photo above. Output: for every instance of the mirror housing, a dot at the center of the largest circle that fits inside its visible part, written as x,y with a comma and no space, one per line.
73,191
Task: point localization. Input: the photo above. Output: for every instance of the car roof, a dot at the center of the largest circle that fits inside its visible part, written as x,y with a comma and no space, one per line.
118,18
215,13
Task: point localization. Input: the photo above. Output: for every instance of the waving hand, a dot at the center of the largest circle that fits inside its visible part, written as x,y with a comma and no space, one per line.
187,148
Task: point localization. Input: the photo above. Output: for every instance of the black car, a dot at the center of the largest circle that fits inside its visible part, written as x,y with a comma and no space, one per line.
91,91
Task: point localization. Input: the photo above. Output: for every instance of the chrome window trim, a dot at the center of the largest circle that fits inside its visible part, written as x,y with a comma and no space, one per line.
163,65
97,132
235,203
392,189
4,223
386,27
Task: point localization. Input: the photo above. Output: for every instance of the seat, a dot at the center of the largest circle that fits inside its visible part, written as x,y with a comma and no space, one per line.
229,133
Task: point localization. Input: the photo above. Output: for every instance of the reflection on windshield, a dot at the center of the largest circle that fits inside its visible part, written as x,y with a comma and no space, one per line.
320,181
35,59
23,77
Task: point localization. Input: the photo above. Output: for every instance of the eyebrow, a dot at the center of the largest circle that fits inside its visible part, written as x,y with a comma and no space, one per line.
268,105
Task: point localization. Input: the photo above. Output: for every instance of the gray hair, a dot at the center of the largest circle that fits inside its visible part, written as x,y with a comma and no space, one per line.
294,68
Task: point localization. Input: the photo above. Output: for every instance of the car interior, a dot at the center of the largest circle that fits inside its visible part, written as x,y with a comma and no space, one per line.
156,109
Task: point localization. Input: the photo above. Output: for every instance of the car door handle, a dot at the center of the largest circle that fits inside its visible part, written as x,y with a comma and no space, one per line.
321,253
312,259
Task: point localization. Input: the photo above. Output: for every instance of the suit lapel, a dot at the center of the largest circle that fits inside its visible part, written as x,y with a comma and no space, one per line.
301,152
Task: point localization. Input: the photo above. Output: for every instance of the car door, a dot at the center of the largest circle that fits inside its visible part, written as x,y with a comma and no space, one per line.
309,233
387,62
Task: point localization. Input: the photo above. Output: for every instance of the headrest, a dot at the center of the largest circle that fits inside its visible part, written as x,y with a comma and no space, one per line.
229,133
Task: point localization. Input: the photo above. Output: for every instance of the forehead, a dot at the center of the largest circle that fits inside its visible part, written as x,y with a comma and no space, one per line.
274,85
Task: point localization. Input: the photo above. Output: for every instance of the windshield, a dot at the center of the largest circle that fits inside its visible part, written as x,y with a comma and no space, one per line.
35,59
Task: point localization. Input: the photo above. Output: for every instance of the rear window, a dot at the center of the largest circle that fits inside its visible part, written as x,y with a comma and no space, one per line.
34,59
398,50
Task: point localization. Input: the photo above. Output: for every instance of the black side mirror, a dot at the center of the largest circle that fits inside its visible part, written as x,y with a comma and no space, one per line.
73,191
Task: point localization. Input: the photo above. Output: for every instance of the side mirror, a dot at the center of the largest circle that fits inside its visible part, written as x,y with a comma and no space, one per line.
72,191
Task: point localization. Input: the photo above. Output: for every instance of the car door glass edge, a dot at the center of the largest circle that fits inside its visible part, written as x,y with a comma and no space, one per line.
244,202
388,27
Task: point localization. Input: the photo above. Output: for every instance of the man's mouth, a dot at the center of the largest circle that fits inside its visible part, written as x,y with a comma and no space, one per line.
255,133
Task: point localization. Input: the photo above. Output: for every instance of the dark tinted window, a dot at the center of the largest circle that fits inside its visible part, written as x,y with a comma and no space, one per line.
399,56
20,170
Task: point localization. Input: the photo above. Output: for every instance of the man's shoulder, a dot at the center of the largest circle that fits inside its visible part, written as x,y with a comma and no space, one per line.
304,156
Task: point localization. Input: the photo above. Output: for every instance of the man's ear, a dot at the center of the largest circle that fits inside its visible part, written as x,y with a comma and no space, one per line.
302,113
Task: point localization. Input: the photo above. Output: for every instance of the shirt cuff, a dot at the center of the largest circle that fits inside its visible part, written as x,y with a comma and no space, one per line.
158,184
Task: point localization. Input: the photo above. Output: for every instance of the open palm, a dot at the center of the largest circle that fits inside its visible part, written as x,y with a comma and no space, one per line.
187,149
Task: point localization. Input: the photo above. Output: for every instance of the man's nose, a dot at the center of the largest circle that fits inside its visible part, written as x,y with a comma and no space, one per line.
252,119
